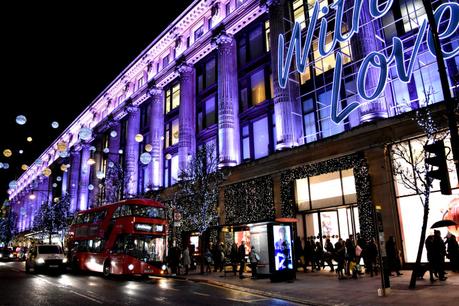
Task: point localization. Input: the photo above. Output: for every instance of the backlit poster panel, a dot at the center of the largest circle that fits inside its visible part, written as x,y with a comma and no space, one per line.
282,248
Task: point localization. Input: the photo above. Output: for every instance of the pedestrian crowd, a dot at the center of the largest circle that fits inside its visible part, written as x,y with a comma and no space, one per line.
348,258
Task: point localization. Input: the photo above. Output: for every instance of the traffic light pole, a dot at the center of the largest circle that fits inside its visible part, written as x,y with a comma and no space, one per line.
450,103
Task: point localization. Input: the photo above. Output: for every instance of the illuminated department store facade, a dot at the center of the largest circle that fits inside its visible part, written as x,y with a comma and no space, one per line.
212,78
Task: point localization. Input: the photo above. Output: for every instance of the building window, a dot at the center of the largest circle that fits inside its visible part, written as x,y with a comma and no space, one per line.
140,82
328,127
239,3
253,44
323,64
258,137
322,4
172,97
298,13
228,8
171,134
206,74
211,115
261,138
257,80
165,61
267,36
413,12
245,143
145,116
198,33
309,120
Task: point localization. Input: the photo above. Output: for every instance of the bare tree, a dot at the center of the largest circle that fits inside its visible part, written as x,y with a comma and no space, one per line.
412,171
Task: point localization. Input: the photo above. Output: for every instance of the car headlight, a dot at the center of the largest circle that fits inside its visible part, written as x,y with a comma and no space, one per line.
163,267
131,267
11,255
64,260
40,261
1,255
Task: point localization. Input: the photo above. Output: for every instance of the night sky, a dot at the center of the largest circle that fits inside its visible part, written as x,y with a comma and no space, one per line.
57,57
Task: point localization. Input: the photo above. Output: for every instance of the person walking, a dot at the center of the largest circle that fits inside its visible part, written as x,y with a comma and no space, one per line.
241,257
308,254
254,258
329,254
370,255
186,260
439,253
340,253
350,258
430,256
208,260
453,251
234,257
392,256
318,255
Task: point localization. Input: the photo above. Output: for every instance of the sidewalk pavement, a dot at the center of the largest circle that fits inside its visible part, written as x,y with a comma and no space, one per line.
323,288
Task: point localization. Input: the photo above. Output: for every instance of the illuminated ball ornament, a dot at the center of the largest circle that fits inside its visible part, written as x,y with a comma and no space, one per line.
106,150
61,146
100,175
58,178
13,184
6,165
92,149
24,167
145,158
1,165
54,185
56,200
90,187
85,134
148,147
113,134
120,151
111,164
139,138
7,153
39,162
168,156
47,172
21,151
90,162
29,139
21,120
64,167
55,124
63,154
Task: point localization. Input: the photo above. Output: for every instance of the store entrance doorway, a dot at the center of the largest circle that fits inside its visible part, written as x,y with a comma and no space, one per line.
332,223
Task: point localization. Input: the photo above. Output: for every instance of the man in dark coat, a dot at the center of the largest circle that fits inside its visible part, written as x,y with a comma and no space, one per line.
430,256
241,256
453,251
439,250
392,256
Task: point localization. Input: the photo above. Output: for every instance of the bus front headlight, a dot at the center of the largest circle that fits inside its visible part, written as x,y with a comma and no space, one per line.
164,267
40,261
64,260
131,267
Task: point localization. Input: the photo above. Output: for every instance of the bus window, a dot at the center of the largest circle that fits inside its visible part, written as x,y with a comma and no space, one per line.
79,219
147,211
117,212
99,216
126,210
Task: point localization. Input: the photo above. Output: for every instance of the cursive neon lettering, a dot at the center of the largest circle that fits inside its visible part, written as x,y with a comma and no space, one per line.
451,29
376,60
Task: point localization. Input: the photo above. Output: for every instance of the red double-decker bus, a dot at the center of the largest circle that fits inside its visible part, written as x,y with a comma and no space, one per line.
128,237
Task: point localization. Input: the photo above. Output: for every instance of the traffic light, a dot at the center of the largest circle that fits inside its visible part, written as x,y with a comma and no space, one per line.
437,149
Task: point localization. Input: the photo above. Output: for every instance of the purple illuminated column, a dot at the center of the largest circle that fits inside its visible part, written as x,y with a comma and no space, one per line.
155,178
74,178
228,102
362,44
94,195
113,157
65,182
287,105
187,131
131,168
85,170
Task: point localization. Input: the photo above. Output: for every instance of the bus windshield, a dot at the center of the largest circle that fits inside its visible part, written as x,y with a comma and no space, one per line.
144,247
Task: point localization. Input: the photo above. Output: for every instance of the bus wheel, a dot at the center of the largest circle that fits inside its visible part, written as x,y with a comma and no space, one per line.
107,267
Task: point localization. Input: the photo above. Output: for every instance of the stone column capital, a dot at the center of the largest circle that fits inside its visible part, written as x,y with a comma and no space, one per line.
155,91
223,39
131,109
184,68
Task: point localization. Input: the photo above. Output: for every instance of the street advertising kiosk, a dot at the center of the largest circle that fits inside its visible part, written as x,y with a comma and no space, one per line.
281,246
